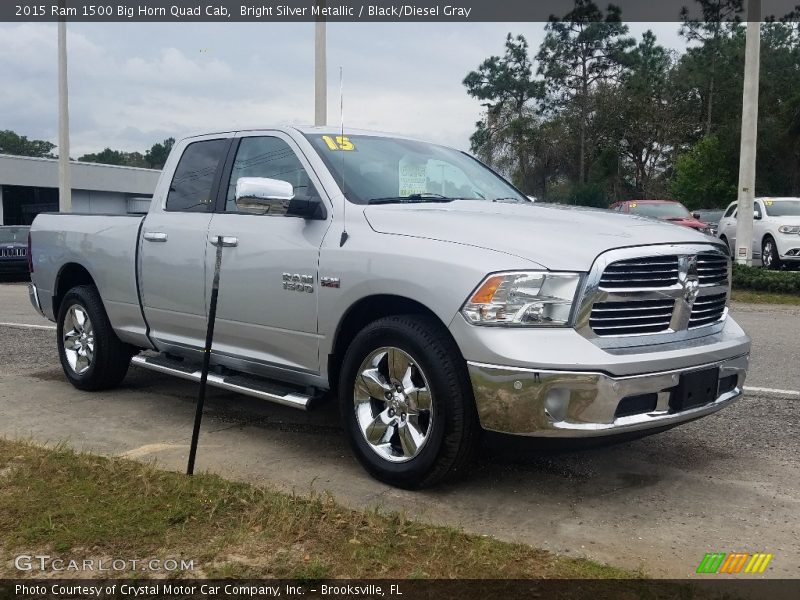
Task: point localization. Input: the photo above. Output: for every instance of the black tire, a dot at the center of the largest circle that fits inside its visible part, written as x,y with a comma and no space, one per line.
769,253
453,431
110,358
724,240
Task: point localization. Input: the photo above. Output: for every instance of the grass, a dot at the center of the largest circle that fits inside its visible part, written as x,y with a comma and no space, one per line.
756,297
81,506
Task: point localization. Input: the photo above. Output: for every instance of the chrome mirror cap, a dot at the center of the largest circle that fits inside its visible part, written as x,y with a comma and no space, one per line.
256,194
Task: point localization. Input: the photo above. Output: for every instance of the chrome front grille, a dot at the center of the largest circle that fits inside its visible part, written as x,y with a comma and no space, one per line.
654,294
647,272
12,252
631,317
712,269
707,309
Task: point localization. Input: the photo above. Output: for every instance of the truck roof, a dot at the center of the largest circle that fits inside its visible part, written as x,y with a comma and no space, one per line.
307,129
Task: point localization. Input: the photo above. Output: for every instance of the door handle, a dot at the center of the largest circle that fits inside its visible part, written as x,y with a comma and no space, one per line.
225,241
155,236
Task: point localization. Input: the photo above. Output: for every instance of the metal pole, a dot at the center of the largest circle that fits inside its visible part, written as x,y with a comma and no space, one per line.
212,317
320,71
747,154
64,182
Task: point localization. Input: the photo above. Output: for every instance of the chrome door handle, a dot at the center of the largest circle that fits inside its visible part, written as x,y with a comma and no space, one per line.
155,236
225,241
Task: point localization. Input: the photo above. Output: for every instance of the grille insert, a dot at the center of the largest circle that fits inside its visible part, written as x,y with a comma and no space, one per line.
631,317
712,269
647,272
707,310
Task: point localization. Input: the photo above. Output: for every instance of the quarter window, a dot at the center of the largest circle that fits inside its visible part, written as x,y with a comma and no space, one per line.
194,178
271,158
730,211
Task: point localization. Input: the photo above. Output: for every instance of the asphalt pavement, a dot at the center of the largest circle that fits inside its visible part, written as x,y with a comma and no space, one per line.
728,482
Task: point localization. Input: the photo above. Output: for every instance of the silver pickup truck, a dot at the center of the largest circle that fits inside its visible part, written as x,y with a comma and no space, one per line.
420,287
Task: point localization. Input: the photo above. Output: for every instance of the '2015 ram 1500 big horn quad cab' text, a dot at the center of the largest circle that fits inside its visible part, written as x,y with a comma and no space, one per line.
422,288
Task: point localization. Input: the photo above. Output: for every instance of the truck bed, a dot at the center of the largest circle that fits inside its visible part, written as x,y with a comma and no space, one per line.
106,246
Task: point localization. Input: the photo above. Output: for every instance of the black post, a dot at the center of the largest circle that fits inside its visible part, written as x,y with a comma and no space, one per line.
212,315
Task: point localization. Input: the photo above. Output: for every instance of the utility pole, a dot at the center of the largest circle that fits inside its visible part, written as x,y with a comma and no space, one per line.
747,153
320,70
64,181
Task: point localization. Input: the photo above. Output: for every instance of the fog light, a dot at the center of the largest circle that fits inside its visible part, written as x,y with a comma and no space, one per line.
556,404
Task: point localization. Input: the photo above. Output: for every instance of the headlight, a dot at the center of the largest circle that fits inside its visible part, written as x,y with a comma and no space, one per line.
523,299
707,230
789,228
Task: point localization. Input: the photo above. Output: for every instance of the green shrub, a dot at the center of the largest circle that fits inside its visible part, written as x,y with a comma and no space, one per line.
763,280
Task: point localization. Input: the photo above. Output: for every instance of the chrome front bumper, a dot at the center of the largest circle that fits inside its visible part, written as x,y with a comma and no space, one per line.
546,403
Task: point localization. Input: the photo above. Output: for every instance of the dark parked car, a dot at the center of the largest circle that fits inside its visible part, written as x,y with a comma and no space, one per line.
709,216
14,249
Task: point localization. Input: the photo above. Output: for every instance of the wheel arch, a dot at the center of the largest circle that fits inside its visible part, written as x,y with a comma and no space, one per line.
70,275
365,311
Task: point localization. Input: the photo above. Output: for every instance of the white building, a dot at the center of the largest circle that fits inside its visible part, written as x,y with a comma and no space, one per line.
29,186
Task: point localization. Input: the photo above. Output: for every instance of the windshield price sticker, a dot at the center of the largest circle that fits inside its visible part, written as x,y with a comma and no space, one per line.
340,142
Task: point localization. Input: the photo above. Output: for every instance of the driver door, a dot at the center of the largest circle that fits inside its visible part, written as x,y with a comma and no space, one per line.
265,326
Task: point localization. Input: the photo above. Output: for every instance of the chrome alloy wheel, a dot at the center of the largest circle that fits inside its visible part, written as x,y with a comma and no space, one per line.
78,339
394,406
766,254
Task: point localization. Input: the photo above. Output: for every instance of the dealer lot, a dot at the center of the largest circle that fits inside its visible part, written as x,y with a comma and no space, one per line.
729,482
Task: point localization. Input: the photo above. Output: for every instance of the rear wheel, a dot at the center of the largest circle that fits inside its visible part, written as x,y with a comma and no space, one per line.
92,356
406,402
769,254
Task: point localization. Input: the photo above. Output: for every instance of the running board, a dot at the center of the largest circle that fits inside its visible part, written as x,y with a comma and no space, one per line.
255,387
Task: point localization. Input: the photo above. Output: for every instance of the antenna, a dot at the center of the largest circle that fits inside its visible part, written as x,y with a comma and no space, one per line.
344,198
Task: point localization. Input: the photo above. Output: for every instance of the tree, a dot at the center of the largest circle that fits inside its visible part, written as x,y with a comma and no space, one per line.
115,157
20,145
584,49
702,179
156,157
643,107
715,25
507,84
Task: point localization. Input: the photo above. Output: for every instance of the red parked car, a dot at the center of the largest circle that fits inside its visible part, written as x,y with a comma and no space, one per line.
667,210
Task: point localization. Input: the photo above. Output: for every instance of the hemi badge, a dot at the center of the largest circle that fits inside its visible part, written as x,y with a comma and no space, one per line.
331,282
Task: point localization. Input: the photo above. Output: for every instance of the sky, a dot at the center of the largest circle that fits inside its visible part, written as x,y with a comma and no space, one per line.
134,84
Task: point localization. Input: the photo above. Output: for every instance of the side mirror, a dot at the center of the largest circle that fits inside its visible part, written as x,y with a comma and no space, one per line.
756,215
696,215
261,195
305,208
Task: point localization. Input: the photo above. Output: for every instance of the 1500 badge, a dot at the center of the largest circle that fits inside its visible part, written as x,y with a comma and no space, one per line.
298,283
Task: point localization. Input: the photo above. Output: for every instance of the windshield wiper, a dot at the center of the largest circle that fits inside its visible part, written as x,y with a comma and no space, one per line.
411,199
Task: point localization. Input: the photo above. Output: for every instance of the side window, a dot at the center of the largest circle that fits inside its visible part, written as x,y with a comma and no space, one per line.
272,158
757,209
190,190
730,211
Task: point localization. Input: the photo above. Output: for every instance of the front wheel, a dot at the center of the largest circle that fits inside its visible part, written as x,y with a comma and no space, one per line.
92,356
406,402
769,254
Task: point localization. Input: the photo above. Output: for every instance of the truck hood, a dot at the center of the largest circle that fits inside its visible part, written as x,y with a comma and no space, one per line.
554,236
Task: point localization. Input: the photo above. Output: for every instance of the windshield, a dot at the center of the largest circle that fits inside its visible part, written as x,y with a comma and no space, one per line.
382,169
14,234
782,208
665,210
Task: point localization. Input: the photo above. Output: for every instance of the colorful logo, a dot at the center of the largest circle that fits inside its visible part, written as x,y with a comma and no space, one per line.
735,562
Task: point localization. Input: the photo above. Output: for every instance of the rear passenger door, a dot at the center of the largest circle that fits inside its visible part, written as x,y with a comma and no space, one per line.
173,247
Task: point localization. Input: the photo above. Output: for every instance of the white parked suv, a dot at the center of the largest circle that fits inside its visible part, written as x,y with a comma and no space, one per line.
776,230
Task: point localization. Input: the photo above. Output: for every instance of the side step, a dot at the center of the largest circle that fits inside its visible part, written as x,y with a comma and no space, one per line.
248,385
